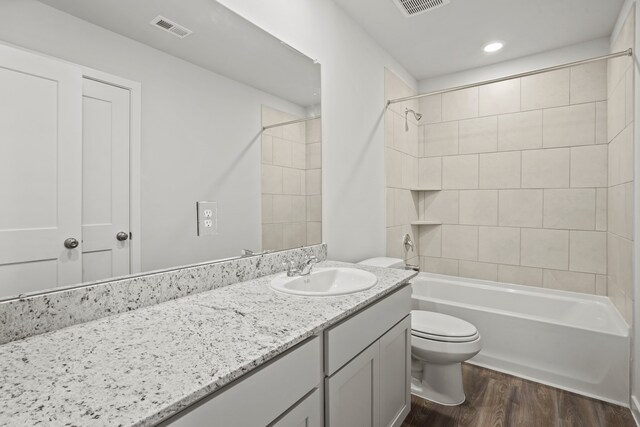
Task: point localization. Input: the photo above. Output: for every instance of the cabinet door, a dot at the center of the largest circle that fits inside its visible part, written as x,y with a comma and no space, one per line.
395,374
304,414
351,394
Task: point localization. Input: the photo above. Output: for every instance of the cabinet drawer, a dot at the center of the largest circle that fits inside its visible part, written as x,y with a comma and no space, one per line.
259,397
345,340
304,414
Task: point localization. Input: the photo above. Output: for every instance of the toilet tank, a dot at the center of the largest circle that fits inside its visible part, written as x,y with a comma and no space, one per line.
384,262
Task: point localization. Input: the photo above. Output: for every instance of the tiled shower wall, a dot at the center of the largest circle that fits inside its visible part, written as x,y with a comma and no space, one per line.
401,167
291,182
620,182
522,167
512,181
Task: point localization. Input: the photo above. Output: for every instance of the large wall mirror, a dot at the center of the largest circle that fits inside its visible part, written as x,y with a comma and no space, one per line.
146,135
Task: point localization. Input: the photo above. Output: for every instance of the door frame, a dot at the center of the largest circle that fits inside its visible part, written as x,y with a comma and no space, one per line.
135,141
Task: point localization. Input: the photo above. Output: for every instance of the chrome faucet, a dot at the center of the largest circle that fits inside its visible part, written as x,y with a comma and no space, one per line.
249,252
291,269
303,269
407,242
246,252
307,265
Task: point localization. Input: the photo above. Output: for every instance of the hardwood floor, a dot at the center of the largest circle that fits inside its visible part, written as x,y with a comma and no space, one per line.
495,399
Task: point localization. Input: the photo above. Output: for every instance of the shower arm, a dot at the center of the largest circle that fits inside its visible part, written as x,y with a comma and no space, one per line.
416,115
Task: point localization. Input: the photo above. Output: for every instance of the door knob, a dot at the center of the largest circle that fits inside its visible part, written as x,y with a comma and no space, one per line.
71,243
122,236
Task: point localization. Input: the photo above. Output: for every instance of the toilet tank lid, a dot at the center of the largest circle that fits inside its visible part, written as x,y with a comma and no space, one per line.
383,262
440,324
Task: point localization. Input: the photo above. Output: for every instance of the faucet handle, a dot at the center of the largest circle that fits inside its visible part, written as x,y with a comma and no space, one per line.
290,268
306,265
308,260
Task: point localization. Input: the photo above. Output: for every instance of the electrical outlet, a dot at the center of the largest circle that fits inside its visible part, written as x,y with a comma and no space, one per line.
207,218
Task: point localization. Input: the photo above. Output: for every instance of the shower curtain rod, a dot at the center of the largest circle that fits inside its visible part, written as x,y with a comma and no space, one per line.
628,52
290,122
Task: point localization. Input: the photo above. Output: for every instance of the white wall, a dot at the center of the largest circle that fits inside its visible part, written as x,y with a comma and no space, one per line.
200,133
352,116
563,55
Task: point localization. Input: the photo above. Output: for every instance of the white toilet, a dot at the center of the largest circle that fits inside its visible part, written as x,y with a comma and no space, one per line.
439,345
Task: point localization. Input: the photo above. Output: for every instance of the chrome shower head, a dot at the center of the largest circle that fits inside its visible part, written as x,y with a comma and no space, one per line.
417,116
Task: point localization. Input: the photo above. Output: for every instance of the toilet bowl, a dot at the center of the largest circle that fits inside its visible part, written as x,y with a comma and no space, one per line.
439,345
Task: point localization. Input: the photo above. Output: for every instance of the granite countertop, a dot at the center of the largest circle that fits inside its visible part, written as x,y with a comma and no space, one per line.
139,368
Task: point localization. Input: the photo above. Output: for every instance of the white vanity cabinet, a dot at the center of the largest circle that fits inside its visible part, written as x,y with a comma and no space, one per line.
356,375
372,388
282,392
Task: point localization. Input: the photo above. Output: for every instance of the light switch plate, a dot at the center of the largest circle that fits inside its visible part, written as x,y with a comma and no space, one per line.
207,218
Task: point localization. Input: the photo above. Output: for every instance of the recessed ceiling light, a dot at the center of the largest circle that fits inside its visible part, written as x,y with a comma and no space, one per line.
493,47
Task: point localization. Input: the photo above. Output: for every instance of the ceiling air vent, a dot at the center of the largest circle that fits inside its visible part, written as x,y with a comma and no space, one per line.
171,27
416,7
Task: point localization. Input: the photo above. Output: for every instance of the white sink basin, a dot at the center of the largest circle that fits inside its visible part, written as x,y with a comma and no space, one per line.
325,282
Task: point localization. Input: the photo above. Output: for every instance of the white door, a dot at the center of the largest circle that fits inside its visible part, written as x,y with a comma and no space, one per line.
105,181
40,172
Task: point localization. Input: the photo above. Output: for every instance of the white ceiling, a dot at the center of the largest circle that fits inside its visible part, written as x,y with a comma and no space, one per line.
222,42
450,38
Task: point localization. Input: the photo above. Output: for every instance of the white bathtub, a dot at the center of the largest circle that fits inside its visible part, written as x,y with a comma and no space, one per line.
568,340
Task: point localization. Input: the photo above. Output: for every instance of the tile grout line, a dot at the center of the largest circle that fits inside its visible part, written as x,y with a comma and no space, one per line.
520,254
478,244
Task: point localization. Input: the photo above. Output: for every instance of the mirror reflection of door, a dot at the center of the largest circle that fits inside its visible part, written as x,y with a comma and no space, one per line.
62,203
40,169
105,181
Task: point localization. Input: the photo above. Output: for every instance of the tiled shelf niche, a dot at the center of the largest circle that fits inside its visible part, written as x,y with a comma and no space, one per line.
426,190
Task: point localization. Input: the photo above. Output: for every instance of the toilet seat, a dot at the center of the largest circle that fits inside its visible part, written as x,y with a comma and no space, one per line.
444,338
441,327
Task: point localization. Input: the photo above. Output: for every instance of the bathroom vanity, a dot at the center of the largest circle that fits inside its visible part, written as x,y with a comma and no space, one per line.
239,355
367,350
